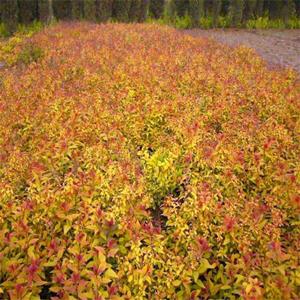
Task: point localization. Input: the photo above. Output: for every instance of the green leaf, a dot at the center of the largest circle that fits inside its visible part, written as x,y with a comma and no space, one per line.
204,266
200,284
225,287
50,264
35,298
262,224
195,276
239,278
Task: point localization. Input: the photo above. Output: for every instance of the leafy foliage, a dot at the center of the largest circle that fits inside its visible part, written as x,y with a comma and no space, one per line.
140,163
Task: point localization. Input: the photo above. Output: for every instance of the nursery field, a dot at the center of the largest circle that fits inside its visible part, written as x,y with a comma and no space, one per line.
137,162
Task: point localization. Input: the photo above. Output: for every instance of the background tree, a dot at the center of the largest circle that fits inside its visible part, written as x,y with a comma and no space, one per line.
89,10
9,14
288,10
77,9
143,10
62,9
273,8
28,11
249,9
297,7
196,11
216,9
259,8
236,12
225,7
239,12
170,9
134,10
104,10
121,10
156,8
43,10
182,7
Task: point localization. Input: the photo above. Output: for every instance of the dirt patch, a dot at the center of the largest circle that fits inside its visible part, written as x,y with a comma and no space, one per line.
277,47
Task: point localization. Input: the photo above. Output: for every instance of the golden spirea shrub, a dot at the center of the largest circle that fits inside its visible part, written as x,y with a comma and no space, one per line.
140,163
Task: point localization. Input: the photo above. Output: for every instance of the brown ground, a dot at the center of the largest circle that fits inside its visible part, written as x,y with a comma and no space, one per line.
277,47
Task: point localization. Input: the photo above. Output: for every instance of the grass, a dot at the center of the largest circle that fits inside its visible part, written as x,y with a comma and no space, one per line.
22,29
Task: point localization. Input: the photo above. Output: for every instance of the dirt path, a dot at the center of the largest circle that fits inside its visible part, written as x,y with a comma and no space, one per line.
278,47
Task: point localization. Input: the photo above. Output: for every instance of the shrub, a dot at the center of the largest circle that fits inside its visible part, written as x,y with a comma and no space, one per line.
266,23
223,22
30,29
206,22
183,22
140,163
293,23
30,53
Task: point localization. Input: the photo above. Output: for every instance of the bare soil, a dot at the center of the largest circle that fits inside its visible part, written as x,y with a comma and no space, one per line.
277,47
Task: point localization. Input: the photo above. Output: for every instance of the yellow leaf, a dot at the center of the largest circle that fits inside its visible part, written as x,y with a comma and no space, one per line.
30,252
110,274
248,288
50,264
225,287
72,217
144,270
55,289
67,227
204,266
176,282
